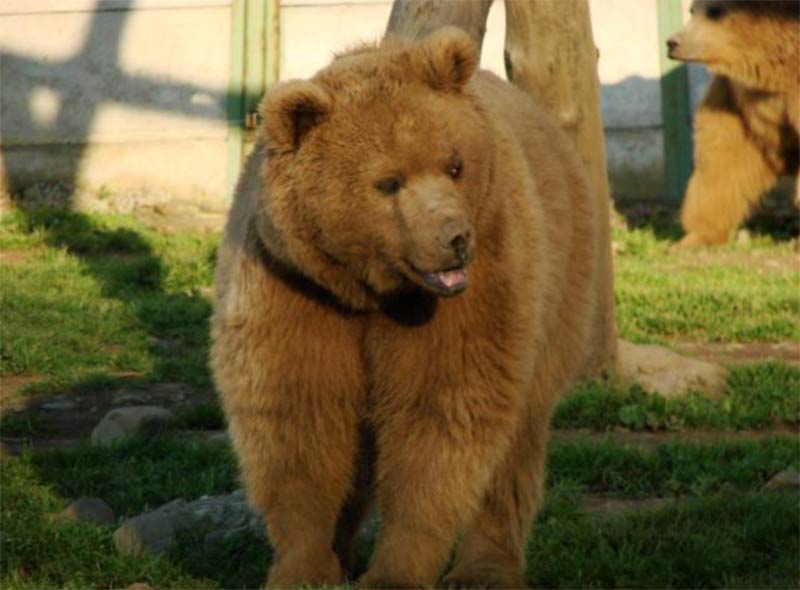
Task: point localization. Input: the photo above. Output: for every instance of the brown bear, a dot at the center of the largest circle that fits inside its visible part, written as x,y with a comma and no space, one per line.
406,286
746,129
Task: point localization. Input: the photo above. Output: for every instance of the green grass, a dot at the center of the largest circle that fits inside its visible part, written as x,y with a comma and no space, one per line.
37,552
727,295
722,508
675,468
103,295
91,301
759,396
721,541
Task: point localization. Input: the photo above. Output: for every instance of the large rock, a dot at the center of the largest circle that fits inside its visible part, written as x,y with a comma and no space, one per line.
122,423
785,480
89,509
216,518
659,370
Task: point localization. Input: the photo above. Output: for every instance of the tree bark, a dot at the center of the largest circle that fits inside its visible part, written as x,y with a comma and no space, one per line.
550,53
415,19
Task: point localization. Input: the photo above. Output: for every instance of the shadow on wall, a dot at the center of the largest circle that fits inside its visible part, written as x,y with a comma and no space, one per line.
54,104
49,108
70,93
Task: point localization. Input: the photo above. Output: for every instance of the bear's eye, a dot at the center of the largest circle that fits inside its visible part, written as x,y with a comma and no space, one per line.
715,12
390,185
455,170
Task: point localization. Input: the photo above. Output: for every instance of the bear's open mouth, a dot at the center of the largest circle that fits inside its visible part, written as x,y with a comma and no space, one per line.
447,282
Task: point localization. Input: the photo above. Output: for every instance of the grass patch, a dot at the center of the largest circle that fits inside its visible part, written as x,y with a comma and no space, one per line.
759,396
104,294
749,540
732,294
724,515
163,468
36,552
674,468
202,417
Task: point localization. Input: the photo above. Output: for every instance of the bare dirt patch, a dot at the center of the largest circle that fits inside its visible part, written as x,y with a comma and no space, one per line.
17,256
732,353
55,421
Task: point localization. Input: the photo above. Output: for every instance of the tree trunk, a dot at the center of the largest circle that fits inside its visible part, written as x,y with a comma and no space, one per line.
550,53
415,19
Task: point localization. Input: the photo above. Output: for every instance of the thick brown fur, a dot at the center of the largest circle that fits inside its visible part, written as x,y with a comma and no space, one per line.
343,374
746,129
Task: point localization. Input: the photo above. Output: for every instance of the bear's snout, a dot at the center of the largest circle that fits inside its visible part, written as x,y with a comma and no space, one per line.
455,237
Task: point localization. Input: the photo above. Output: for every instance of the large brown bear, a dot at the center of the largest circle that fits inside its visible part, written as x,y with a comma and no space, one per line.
406,286
746,129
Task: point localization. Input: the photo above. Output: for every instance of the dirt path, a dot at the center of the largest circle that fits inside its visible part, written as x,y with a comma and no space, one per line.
733,353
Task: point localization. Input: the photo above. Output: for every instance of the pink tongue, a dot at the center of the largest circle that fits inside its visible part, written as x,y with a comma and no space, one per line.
452,278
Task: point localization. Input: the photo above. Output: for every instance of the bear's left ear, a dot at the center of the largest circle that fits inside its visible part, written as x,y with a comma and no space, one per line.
448,58
290,110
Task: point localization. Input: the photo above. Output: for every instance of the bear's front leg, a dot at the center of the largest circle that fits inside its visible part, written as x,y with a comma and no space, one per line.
435,461
293,394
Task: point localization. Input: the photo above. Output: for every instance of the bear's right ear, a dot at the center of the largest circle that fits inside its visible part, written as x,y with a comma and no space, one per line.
448,57
290,110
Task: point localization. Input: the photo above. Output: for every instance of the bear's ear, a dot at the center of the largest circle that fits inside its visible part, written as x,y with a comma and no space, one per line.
449,57
290,110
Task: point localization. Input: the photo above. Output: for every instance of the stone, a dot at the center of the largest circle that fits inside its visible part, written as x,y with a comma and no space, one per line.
122,423
152,531
215,519
659,370
785,480
129,399
743,237
58,405
89,509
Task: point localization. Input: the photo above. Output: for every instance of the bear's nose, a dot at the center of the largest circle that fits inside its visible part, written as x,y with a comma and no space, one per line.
672,44
455,236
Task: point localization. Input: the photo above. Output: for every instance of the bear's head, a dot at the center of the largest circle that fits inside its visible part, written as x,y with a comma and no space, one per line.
756,42
377,168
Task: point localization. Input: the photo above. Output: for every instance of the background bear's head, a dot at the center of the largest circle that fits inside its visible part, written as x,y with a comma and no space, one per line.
378,164
756,42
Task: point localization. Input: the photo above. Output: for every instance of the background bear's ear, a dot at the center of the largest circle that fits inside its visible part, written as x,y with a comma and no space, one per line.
290,110
449,57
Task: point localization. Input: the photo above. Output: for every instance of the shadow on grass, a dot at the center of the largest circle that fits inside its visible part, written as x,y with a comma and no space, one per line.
775,216
124,264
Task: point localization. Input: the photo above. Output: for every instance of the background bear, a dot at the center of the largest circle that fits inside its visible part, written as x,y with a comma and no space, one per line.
406,286
746,129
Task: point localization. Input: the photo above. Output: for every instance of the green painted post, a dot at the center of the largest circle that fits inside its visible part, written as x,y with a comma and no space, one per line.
273,44
235,104
675,107
255,50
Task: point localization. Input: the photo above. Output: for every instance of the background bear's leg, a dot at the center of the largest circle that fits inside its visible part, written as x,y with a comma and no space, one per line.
431,477
731,172
492,550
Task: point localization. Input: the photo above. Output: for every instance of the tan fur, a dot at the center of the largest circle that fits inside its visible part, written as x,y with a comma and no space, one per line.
342,374
746,129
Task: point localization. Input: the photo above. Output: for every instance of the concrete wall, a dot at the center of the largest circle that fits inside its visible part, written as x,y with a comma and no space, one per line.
132,93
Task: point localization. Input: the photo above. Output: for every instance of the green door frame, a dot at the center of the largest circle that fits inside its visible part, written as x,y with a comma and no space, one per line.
676,109
255,62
